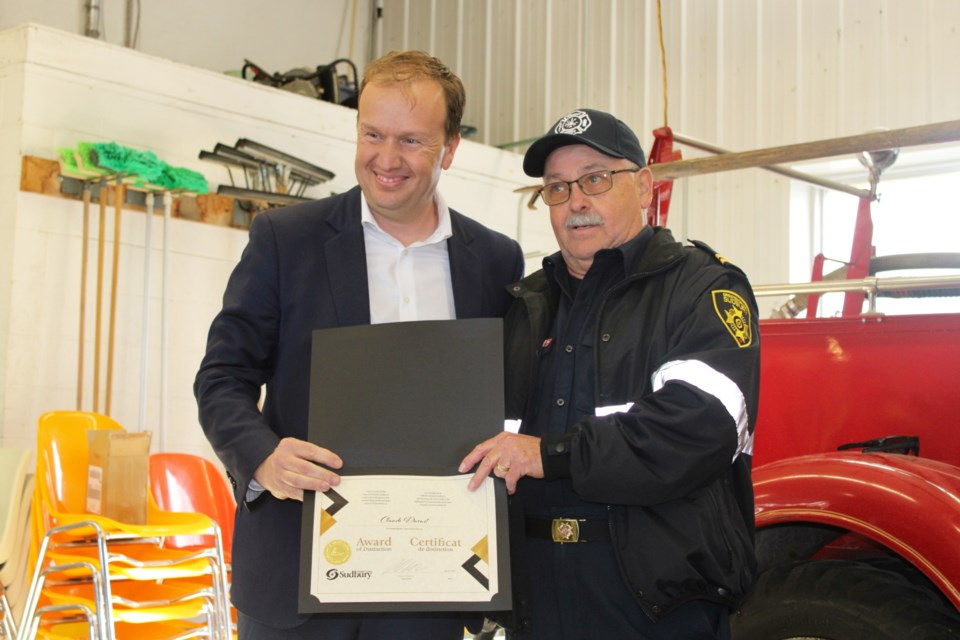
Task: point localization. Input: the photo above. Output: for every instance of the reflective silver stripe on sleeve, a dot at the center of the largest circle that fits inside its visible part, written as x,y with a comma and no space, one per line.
614,408
710,381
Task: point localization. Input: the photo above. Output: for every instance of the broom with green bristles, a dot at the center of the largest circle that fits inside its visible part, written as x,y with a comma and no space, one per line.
141,170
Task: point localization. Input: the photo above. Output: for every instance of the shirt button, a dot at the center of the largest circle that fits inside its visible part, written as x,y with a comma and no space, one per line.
568,348
605,337
406,299
560,402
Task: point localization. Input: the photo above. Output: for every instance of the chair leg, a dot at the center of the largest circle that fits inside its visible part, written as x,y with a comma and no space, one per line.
8,625
100,577
223,607
30,630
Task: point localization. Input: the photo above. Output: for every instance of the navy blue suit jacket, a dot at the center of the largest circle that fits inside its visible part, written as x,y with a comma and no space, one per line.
304,268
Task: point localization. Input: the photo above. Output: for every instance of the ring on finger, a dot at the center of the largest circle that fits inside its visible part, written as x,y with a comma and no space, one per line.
502,468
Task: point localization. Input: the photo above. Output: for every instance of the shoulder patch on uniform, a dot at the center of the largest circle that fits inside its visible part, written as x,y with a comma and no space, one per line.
735,315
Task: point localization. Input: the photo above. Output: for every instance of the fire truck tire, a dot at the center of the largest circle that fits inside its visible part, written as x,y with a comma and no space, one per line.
842,600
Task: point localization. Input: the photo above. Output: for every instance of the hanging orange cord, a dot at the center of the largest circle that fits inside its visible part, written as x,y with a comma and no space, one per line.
663,62
662,150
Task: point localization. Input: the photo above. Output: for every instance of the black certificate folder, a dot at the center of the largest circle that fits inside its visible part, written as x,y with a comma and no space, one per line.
402,404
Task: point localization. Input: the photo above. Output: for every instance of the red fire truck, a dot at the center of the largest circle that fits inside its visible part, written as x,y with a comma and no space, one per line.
857,454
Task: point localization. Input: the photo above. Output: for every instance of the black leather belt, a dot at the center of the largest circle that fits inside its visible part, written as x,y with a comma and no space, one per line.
564,530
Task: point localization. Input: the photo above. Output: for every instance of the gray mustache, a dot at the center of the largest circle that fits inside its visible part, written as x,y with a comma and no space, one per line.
582,220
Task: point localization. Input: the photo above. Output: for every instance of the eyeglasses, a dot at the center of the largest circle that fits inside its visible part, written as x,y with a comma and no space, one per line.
592,184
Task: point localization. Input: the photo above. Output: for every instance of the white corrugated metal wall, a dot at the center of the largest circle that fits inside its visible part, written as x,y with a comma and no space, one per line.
742,74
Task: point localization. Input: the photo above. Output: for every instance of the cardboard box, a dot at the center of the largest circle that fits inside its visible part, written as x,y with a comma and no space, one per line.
118,475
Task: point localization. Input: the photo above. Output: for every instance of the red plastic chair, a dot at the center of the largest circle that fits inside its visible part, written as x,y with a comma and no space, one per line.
191,483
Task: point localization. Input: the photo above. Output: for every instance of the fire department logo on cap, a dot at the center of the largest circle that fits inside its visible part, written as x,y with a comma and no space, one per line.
735,314
573,123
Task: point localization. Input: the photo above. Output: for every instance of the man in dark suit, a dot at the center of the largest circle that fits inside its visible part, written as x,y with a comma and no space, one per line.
389,250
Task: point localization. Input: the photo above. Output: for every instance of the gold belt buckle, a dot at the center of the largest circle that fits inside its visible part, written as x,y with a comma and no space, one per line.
565,530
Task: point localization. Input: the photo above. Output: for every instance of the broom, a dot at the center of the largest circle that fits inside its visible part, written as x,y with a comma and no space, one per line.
136,169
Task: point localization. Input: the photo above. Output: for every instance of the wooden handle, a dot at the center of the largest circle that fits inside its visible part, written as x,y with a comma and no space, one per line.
893,139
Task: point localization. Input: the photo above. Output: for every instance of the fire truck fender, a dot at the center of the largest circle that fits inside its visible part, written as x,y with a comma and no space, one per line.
906,504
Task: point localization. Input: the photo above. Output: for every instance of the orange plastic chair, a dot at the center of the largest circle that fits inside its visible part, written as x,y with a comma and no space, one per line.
113,549
188,482
167,630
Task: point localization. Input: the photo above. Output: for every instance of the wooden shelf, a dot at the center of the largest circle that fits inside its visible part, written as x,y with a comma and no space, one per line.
41,175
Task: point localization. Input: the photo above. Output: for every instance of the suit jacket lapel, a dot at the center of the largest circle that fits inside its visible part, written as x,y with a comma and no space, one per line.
347,264
465,271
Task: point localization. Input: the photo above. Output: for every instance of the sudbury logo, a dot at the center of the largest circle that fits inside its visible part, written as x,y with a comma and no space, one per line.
573,123
333,574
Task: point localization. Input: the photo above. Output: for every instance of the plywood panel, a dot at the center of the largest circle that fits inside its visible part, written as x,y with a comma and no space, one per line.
863,81
446,35
599,53
531,93
565,63
502,61
637,77
738,76
819,41
700,24
778,85
420,27
475,68
907,64
943,53
392,26
676,57
699,72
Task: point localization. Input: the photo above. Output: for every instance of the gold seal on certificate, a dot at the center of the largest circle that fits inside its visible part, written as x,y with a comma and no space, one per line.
337,552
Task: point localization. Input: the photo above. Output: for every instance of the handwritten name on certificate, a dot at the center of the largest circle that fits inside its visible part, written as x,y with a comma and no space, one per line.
400,538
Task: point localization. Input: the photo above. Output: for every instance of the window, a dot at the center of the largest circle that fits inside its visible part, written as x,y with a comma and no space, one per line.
918,212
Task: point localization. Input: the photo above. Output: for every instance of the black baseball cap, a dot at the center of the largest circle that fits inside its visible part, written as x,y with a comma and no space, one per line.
596,129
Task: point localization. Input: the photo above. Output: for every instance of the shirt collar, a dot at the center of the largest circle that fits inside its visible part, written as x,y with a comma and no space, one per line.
628,253
443,231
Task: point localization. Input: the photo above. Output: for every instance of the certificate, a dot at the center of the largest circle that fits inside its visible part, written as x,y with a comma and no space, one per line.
405,539
402,404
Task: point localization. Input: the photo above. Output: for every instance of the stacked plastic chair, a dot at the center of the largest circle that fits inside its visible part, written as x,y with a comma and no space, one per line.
16,490
8,625
100,578
185,482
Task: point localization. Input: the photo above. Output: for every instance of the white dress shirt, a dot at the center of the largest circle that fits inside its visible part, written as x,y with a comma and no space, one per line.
412,282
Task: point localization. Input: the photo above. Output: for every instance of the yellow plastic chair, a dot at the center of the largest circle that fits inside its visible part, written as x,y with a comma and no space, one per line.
169,630
69,539
139,603
139,609
16,487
